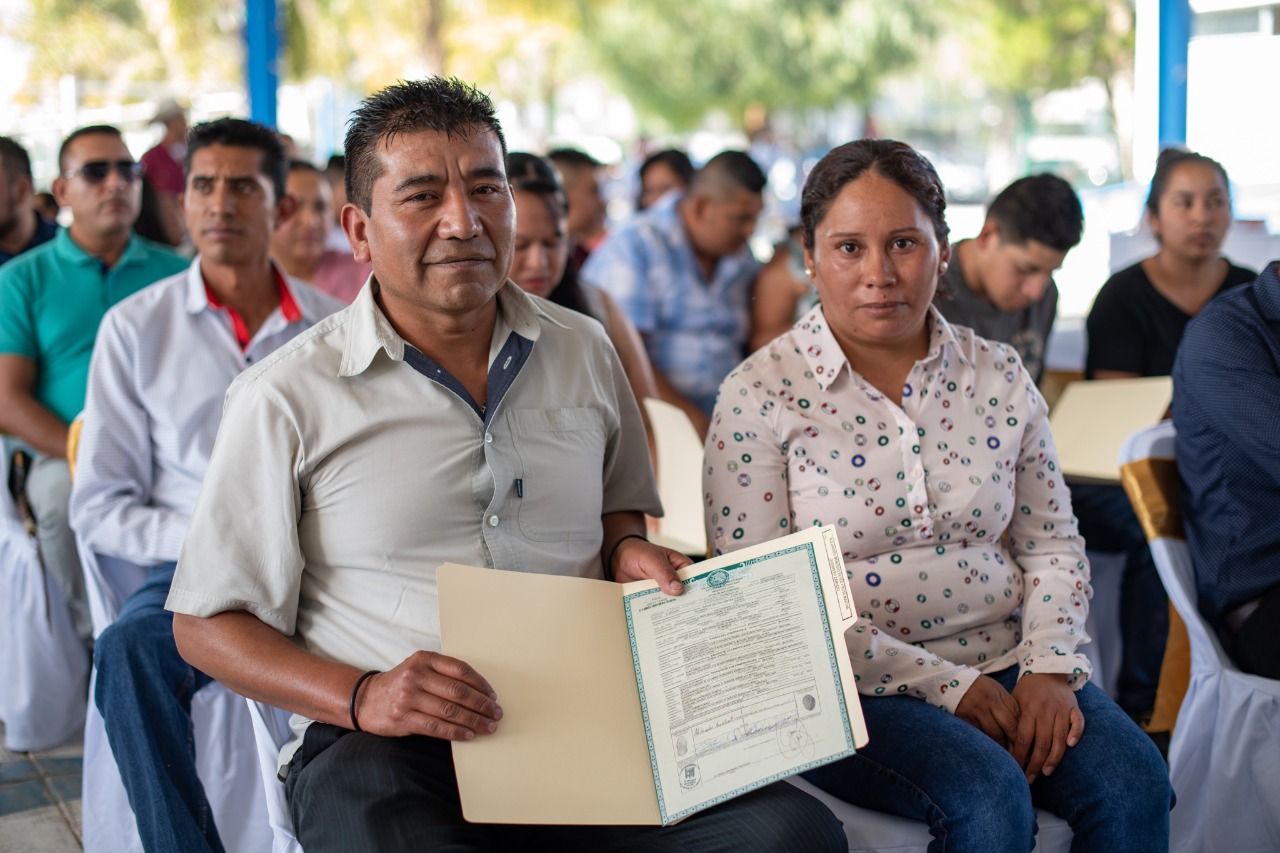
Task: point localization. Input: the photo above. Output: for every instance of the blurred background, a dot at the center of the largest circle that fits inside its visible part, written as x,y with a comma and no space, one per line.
989,89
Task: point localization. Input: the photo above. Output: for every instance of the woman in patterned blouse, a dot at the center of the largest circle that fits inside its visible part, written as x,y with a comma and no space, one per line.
929,450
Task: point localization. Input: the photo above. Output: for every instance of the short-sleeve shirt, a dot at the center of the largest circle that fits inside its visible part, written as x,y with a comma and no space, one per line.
1133,328
161,366
1226,395
1026,330
52,300
348,467
955,525
695,330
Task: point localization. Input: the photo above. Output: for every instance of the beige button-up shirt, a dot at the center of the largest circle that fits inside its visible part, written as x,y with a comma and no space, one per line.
348,467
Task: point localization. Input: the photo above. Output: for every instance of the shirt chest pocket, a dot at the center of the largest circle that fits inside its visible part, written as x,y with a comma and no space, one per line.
561,483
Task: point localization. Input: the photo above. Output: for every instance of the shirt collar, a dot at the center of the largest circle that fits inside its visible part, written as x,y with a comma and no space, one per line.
369,330
826,359
200,297
70,251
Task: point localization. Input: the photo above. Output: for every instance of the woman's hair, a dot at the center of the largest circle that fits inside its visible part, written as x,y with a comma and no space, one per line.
894,161
675,160
537,176
1170,159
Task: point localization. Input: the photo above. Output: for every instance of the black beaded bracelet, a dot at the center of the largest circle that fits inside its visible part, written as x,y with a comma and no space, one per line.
613,552
355,725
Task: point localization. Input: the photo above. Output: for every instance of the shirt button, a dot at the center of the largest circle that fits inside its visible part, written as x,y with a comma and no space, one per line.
488,438
917,473
493,521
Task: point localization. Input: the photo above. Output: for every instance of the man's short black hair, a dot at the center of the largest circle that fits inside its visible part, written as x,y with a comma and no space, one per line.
14,159
304,166
91,130
730,170
1043,208
441,104
238,133
337,163
572,158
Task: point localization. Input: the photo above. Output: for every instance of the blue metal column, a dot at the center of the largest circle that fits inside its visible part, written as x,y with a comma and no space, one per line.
1175,33
262,50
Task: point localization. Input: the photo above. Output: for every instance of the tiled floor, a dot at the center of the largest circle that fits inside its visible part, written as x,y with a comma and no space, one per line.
40,799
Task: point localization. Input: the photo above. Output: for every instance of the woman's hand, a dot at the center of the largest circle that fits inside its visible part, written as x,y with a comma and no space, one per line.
1049,723
989,708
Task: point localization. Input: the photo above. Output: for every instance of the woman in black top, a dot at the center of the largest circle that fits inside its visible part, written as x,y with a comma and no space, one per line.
1138,317
1134,328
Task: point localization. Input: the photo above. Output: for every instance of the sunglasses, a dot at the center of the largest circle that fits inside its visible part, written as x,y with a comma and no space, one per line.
96,171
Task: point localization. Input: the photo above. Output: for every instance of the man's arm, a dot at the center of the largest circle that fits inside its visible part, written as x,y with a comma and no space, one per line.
668,392
426,694
111,507
22,414
635,558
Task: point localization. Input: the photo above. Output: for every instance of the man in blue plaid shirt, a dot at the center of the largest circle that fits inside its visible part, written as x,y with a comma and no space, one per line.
683,273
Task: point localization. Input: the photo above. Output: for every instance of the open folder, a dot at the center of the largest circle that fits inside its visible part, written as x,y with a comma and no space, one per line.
625,705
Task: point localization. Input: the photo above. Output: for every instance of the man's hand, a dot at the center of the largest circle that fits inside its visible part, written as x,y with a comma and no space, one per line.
1050,722
989,708
428,694
638,559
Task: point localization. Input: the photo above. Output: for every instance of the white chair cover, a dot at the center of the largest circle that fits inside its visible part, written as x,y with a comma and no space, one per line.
877,832
44,669
226,754
1224,758
271,730
679,451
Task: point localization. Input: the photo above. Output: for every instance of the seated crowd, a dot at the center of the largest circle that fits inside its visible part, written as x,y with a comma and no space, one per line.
247,410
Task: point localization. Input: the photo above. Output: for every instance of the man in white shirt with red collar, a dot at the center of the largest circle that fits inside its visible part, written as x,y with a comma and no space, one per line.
161,365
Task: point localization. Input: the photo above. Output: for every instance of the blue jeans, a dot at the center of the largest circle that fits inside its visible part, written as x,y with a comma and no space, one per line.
144,692
1112,787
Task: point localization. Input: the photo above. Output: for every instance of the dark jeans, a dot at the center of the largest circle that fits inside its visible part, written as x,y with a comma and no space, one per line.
1108,523
144,692
1256,646
355,791
1112,787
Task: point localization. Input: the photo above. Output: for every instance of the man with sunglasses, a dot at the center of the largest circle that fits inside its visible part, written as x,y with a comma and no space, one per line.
52,299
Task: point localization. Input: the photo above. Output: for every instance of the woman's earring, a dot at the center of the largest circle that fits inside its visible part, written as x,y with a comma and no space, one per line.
808,272
942,268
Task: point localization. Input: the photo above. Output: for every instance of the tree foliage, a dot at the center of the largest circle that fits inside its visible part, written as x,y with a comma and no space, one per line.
1028,47
677,60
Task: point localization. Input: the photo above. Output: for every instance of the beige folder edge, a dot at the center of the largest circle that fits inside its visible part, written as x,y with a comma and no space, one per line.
571,746
1092,419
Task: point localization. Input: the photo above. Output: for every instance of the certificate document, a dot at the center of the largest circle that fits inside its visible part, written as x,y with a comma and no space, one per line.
626,705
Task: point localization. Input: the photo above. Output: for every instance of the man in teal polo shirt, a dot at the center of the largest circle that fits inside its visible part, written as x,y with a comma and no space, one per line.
52,299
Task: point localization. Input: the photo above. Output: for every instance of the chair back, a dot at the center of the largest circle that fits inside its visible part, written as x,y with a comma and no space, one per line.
1224,757
679,450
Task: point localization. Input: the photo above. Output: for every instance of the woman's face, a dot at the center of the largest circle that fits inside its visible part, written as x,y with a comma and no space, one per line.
875,260
1194,212
658,180
542,244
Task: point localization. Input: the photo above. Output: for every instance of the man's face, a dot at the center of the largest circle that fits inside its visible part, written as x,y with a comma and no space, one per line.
441,224
101,206
300,239
230,205
1015,275
721,225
